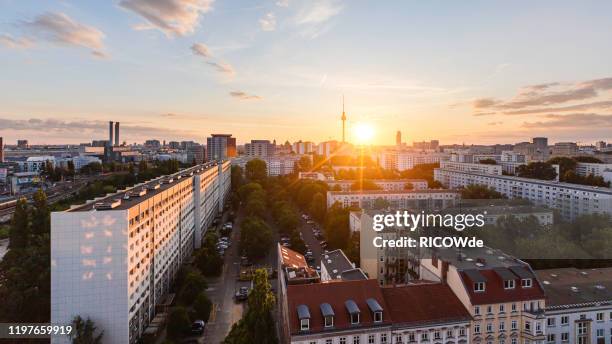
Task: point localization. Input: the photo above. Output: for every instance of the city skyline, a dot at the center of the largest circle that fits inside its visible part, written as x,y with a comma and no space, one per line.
181,70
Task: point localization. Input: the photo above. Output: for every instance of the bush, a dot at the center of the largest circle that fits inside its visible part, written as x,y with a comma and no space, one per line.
178,323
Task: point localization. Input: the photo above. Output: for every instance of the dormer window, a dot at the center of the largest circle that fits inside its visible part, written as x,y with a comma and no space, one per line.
509,284
328,314
376,310
304,317
378,317
526,283
355,319
329,321
353,311
479,287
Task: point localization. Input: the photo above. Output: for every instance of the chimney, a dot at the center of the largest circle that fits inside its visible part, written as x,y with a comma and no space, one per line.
117,134
110,133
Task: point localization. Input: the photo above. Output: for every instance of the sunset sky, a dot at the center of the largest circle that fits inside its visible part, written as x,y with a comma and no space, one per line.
457,71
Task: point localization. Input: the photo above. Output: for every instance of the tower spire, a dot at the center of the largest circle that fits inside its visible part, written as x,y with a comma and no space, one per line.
343,120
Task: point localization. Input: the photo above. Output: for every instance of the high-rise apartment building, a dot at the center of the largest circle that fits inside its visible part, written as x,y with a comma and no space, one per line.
220,147
1,150
110,133
300,147
117,134
113,259
259,148
327,148
23,144
567,149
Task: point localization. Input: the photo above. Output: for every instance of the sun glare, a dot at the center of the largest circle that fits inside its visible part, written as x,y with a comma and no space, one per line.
364,133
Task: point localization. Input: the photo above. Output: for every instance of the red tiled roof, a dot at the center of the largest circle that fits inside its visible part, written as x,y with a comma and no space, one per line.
335,293
423,303
495,292
291,258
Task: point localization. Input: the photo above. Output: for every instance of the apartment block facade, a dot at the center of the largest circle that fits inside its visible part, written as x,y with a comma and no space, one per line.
113,259
426,199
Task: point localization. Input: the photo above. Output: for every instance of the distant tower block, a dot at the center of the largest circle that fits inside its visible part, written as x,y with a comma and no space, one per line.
110,133
398,138
117,134
343,122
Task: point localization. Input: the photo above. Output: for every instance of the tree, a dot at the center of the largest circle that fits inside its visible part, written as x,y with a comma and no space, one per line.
587,159
488,161
202,307
84,332
245,190
565,164
336,228
255,237
537,170
256,170
477,191
318,206
380,203
364,185
304,164
178,323
41,215
193,285
257,324
19,233
297,244
236,177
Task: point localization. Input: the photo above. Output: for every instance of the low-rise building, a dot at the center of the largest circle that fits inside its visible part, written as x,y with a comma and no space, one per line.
425,199
335,265
578,305
471,167
383,184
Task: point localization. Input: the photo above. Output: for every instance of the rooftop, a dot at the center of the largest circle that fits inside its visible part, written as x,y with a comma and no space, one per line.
336,263
571,287
141,192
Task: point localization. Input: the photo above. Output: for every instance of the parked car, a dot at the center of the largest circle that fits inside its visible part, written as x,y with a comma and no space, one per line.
323,244
242,294
198,327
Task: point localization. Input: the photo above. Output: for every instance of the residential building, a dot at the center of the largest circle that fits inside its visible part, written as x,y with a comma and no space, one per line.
335,265
567,149
113,259
321,176
426,199
502,293
327,148
405,160
196,153
578,305
300,147
220,147
571,200
471,167
383,184
23,144
599,170
36,163
277,165
259,148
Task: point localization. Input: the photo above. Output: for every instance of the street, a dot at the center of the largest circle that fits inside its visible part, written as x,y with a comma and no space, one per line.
310,240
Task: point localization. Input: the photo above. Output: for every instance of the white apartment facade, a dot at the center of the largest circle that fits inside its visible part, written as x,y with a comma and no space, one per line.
277,165
406,160
114,259
599,170
430,199
383,184
471,167
571,200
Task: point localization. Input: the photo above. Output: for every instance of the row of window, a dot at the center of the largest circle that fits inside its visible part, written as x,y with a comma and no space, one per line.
479,287
397,339
564,319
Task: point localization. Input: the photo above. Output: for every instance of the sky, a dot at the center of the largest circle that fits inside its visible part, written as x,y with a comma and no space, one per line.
477,72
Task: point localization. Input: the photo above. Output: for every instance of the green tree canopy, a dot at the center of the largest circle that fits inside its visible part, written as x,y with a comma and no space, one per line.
256,170
85,332
537,170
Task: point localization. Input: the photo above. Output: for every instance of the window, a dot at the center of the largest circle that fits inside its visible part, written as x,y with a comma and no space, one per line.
356,339
564,320
477,328
538,327
477,310
526,283
600,332
514,307
528,326
304,324
449,334
509,284
342,340
600,316
550,322
513,341
550,338
513,325
479,287
378,317
565,336
502,326
489,327
502,308
437,335
328,341
582,328
489,309
424,336
371,339
383,338
354,318
462,331
411,337
329,321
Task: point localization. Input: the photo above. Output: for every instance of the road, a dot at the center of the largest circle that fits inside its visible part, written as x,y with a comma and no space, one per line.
310,240
221,292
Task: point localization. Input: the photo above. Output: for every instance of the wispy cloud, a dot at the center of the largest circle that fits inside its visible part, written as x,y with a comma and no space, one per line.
172,17
578,107
268,22
244,96
282,3
572,121
495,123
318,12
201,49
481,114
15,42
222,67
59,28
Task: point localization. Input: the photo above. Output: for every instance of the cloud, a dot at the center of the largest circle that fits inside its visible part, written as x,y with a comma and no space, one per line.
244,96
59,28
15,43
172,17
480,114
282,3
200,49
495,123
318,12
268,23
547,94
222,67
573,121
579,107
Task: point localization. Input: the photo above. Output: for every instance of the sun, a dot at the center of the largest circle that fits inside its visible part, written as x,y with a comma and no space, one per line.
364,133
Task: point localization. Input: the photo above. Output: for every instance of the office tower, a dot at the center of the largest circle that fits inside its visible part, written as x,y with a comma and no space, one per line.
110,133
114,259
540,142
259,148
22,144
117,134
398,138
1,150
196,153
220,147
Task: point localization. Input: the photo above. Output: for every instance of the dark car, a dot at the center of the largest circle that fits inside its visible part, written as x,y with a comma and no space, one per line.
242,294
198,327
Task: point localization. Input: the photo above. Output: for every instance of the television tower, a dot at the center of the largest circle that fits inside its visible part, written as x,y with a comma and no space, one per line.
343,120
